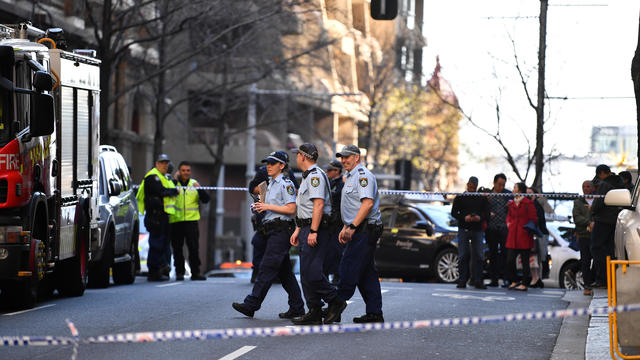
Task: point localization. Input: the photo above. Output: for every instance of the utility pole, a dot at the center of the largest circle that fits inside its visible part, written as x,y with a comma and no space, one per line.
542,48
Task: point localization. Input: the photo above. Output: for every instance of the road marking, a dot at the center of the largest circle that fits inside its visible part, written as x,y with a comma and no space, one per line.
399,288
171,284
236,354
546,296
384,291
24,311
553,292
472,297
472,291
349,302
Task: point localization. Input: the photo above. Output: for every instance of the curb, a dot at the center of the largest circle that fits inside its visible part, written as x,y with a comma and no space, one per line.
571,341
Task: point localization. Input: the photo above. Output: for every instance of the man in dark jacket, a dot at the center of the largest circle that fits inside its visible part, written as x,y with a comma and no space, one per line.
496,232
604,224
470,211
582,220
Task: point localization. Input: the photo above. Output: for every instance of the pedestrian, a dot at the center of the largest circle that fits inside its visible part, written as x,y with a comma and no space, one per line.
582,220
156,200
628,180
279,206
496,232
471,211
541,241
361,229
184,223
335,249
604,224
521,213
312,235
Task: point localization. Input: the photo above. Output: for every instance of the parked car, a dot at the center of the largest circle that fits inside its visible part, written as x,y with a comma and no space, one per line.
117,246
418,241
627,238
564,266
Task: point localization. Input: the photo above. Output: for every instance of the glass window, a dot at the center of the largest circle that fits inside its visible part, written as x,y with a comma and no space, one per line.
5,116
406,218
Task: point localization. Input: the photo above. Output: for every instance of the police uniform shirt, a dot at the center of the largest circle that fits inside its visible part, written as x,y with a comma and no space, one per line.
314,186
360,184
279,192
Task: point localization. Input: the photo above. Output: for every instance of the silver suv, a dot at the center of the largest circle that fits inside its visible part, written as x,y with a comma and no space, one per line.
117,246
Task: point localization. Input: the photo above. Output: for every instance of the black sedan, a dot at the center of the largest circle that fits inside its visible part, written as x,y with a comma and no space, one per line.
419,242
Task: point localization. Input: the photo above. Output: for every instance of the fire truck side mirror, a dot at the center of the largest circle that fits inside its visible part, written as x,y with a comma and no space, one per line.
42,81
42,120
7,59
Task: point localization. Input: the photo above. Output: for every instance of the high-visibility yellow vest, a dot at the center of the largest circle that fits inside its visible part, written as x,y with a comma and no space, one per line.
167,201
186,204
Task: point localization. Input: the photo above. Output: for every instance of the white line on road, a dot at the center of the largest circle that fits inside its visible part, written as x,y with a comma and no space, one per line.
547,296
24,311
236,354
399,288
171,284
384,291
553,292
349,302
472,291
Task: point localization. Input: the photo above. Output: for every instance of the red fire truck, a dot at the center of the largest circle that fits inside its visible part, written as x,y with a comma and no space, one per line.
49,148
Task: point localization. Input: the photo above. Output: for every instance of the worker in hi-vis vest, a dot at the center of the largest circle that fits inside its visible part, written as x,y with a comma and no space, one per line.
156,200
184,222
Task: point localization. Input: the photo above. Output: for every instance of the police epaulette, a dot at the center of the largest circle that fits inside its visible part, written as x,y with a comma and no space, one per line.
313,170
361,171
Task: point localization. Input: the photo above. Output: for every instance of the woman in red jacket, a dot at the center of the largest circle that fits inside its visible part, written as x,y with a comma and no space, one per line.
519,241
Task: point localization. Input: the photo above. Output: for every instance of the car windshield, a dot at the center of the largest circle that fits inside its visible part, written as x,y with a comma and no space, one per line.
440,215
563,229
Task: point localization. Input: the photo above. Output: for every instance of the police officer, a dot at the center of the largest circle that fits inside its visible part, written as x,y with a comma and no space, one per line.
279,206
361,230
156,200
259,241
313,209
335,248
184,223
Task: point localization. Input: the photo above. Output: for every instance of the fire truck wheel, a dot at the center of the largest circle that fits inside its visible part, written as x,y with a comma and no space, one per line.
99,272
124,273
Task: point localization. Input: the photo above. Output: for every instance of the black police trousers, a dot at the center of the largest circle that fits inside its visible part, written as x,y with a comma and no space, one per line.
179,232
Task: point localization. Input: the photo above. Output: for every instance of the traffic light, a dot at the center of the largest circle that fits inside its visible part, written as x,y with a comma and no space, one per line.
384,9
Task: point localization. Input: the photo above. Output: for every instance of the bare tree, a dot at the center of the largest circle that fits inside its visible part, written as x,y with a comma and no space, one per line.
635,76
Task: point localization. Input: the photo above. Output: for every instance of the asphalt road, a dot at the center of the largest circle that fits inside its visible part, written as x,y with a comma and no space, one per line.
207,305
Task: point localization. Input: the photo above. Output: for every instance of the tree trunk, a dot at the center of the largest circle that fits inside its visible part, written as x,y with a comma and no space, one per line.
635,76
160,91
542,47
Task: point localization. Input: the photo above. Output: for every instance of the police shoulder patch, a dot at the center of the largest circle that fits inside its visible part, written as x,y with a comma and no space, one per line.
364,181
315,181
290,189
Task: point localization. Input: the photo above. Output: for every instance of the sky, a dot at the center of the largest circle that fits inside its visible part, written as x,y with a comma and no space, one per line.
590,44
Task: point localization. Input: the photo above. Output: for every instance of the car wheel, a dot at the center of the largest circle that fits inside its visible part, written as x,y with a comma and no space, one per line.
446,266
570,277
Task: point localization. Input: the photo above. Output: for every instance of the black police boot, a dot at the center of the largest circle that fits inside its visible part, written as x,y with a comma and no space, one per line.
325,311
368,318
242,308
165,270
334,310
179,277
198,277
313,317
290,314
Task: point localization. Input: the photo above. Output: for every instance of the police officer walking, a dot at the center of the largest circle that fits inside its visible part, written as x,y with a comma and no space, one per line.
156,200
335,249
313,209
184,223
361,230
278,206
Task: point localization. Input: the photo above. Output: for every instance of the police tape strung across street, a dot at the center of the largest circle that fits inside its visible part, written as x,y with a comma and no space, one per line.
564,196
161,336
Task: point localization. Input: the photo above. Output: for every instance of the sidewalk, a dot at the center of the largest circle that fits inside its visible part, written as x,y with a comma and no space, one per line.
598,332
